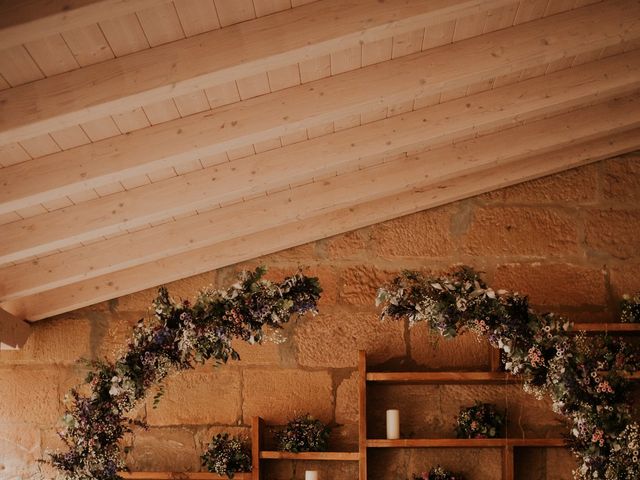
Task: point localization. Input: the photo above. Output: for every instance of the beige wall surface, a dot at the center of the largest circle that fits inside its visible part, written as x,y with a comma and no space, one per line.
570,241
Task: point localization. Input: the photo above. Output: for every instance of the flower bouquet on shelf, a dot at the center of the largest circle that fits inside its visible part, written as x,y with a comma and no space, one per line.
227,455
630,308
480,421
303,434
438,473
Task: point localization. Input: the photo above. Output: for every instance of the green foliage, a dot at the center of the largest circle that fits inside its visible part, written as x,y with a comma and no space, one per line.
227,455
303,434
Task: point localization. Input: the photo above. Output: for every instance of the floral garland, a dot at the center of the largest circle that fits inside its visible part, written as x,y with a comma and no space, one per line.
179,335
227,455
303,434
481,420
585,379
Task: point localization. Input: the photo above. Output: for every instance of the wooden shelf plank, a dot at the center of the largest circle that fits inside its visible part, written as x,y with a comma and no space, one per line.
180,476
465,442
443,377
346,456
607,327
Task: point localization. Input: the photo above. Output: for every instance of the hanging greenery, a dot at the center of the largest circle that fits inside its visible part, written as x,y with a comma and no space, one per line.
585,379
178,336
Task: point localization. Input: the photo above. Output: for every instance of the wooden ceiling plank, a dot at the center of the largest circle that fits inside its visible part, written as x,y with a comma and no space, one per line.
17,67
213,58
234,11
605,119
161,24
27,20
70,297
88,45
125,35
446,68
267,7
197,16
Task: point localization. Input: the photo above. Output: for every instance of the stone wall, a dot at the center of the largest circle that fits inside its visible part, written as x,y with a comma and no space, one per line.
570,241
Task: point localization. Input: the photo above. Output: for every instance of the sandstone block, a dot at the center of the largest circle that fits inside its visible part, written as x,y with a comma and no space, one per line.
422,234
359,285
613,232
621,179
347,245
206,395
29,395
514,231
558,284
278,395
578,185
333,340
267,353
19,452
429,349
347,400
625,279
164,449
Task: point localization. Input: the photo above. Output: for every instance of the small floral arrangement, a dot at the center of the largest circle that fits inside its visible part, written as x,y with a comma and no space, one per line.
438,473
479,421
303,434
227,455
630,308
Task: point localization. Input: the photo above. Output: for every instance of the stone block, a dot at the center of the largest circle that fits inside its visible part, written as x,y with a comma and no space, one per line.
267,353
621,179
578,185
624,278
277,395
164,450
19,451
206,395
347,245
204,435
430,350
29,395
515,231
333,339
347,400
422,234
359,284
561,284
613,232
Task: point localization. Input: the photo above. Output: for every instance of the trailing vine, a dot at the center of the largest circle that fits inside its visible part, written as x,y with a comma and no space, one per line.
585,379
178,336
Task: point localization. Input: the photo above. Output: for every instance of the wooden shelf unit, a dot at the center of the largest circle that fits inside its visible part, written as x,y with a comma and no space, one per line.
180,476
622,328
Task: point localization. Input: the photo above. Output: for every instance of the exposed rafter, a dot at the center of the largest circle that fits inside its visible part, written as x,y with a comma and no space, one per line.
13,331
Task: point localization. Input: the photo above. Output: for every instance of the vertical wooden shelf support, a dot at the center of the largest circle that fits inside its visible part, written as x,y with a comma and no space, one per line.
362,420
508,472
257,434
494,359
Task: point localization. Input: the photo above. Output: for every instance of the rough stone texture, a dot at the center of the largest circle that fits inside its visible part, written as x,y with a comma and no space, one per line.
347,400
424,234
359,285
621,181
333,340
203,396
278,395
436,353
613,232
164,449
553,284
29,395
578,185
347,245
19,452
538,232
625,279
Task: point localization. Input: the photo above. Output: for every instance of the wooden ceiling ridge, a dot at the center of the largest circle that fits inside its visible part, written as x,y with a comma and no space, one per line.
529,45
214,58
349,149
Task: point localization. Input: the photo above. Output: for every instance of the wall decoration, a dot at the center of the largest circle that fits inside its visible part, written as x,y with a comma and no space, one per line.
178,336
227,455
438,473
481,420
585,378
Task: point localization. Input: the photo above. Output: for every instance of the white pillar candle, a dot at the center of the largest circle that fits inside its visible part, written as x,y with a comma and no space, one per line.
311,475
393,424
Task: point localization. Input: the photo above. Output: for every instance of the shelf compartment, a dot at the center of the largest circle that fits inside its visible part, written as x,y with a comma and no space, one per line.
180,476
483,378
465,442
345,456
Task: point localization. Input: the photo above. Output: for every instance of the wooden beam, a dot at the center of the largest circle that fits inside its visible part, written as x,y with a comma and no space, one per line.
453,66
214,58
355,148
27,20
13,331
468,168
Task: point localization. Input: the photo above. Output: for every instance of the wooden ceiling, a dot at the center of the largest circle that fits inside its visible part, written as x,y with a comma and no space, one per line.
143,141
